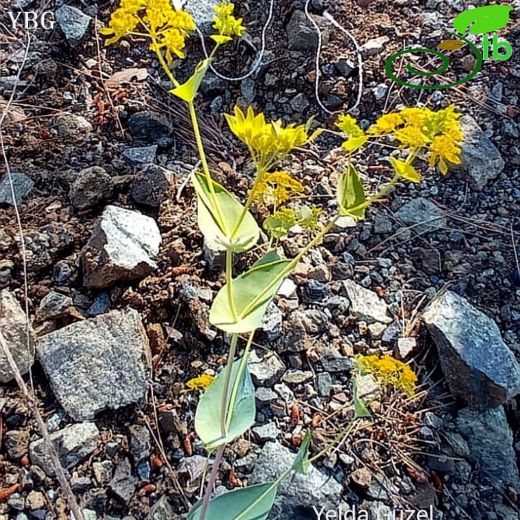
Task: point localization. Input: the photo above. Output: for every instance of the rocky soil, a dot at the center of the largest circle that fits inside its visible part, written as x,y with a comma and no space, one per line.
120,282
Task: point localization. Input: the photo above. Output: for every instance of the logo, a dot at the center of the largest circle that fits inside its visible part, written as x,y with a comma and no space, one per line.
478,21
32,20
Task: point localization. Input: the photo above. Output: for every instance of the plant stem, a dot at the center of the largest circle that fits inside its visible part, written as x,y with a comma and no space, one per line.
227,381
229,283
211,481
238,379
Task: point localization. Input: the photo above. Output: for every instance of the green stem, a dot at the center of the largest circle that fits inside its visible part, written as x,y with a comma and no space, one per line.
236,385
227,381
229,283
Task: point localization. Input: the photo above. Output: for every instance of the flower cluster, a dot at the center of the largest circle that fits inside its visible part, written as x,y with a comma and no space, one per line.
226,24
201,382
166,26
281,221
389,371
276,188
416,130
267,142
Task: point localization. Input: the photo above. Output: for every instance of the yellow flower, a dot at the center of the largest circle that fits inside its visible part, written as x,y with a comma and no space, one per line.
444,150
267,142
356,137
389,371
386,123
167,27
411,137
121,23
415,116
201,382
226,24
277,188
405,170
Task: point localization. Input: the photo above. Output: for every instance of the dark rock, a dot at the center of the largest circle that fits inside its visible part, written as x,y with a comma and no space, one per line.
91,187
422,215
140,156
123,484
301,34
150,186
53,306
151,127
16,443
22,186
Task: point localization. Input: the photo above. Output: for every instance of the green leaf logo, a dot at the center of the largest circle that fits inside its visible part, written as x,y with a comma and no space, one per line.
482,20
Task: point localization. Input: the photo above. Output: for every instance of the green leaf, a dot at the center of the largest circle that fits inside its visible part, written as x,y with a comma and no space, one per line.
188,90
207,416
301,463
351,194
251,292
360,408
480,20
217,229
250,503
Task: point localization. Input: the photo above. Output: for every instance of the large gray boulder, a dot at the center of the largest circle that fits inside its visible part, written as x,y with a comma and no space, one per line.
18,335
122,248
490,442
73,444
97,364
481,160
478,365
298,495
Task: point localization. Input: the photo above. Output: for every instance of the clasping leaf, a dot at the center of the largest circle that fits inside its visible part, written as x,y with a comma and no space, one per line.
188,90
351,195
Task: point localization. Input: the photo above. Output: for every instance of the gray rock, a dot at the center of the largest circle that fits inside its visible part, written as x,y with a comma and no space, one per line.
297,377
162,509
97,363
405,347
122,248
16,443
478,365
266,432
151,186
296,494
490,441
301,34
123,484
73,23
374,46
382,224
140,156
481,160
201,10
272,322
267,369
18,335
422,214
22,186
151,127
366,304
299,103
140,444
53,306
73,445
72,125
90,188
324,384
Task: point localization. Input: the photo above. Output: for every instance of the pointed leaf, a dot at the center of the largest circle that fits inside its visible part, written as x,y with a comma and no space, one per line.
482,20
188,90
360,408
250,503
351,194
301,463
217,229
207,416
450,45
252,292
